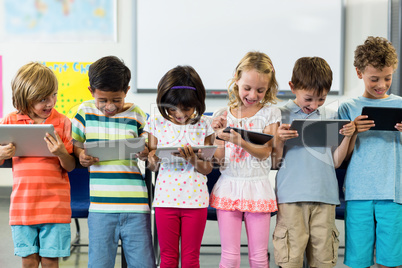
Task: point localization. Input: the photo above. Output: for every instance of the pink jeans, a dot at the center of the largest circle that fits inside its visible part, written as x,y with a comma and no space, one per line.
175,224
257,229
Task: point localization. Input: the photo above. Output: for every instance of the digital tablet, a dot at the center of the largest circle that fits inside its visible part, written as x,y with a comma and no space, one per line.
115,149
250,136
317,133
28,139
167,154
385,118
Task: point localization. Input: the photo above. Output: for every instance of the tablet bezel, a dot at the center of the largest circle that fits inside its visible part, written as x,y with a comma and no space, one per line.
29,139
385,118
318,137
251,136
108,150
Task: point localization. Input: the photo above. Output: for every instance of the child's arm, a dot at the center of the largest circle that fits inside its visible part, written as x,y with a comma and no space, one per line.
6,152
56,147
203,166
218,124
361,125
282,135
85,160
342,151
153,160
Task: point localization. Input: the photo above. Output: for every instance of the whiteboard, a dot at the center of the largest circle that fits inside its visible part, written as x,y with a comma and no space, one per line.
213,35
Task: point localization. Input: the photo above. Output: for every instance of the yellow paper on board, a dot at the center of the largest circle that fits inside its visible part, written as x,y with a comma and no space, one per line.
73,85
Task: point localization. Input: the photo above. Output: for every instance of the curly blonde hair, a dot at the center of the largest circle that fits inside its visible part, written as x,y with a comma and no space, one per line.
262,64
377,52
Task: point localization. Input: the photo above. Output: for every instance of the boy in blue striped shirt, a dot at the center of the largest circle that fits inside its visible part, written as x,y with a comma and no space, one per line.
118,194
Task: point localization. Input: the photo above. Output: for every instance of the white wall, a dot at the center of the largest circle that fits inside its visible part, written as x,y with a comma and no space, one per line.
363,18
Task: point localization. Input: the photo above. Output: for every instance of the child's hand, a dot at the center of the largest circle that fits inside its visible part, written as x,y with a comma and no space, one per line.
219,122
398,126
232,136
284,133
362,124
87,160
188,154
55,145
348,130
143,155
153,159
7,151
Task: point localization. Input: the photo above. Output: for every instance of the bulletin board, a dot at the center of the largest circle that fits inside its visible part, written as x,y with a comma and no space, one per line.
1,87
73,85
212,36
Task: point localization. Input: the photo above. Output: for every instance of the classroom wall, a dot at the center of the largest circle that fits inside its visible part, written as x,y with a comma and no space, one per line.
362,18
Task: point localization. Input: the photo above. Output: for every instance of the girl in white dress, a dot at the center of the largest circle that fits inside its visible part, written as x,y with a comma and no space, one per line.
243,190
181,193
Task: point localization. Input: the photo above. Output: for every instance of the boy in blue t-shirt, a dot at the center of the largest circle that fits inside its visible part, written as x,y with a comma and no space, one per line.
119,207
306,184
373,184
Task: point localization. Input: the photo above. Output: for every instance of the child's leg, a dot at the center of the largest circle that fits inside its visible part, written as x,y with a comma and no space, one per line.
168,226
322,248
360,233
135,232
49,262
388,216
291,234
192,230
229,223
257,228
31,261
103,239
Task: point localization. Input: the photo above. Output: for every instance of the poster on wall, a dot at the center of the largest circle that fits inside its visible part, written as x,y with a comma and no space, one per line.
60,21
1,87
73,85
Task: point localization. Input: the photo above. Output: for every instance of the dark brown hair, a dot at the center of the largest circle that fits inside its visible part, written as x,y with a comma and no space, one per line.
312,73
109,74
377,52
184,97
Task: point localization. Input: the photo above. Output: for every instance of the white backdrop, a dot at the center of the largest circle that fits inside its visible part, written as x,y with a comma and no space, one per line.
213,35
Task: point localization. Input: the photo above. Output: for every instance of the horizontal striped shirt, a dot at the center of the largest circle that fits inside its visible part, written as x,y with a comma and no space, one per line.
116,186
41,189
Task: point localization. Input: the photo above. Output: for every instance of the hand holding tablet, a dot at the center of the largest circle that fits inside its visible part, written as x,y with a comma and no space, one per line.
250,136
385,118
317,133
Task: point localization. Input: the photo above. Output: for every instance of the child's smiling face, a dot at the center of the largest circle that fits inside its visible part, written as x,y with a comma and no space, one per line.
109,103
308,100
43,108
252,87
376,82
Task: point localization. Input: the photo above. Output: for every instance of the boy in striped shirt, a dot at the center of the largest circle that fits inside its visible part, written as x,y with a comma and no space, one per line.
119,199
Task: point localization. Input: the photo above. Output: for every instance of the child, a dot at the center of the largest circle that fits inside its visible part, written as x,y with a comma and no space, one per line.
243,189
118,194
181,192
373,178
306,186
40,212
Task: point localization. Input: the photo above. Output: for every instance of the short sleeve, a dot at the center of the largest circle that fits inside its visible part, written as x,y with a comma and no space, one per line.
275,116
78,126
343,112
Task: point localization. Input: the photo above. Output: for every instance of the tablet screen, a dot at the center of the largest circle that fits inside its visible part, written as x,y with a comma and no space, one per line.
115,149
317,133
28,139
385,118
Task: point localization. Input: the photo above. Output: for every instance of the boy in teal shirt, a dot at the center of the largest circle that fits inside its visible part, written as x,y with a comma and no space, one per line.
373,190
118,194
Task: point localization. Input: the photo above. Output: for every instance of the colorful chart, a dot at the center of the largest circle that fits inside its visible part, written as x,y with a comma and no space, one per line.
73,85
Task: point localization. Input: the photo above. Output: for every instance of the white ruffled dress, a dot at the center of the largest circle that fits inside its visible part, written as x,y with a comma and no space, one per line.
244,183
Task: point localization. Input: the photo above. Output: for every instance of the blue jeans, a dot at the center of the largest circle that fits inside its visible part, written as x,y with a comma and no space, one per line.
134,231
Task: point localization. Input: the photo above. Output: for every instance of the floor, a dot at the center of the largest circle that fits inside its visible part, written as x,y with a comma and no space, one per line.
209,255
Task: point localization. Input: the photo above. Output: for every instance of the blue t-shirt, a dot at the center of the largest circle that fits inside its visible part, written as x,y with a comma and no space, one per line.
375,168
307,174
